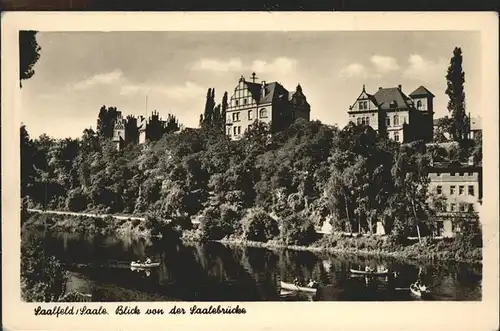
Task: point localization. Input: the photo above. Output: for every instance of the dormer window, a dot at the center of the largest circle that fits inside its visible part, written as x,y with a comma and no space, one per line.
419,104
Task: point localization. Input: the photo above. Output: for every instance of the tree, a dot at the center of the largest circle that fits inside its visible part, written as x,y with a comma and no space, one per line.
29,53
456,105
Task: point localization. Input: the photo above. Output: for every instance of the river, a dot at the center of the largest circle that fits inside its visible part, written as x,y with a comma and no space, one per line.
99,265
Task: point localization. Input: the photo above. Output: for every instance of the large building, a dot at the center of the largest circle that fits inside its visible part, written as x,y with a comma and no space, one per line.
401,117
265,102
132,130
461,187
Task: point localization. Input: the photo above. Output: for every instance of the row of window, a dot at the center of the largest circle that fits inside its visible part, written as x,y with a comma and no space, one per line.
461,190
460,174
395,121
236,130
237,102
262,114
363,120
363,105
461,207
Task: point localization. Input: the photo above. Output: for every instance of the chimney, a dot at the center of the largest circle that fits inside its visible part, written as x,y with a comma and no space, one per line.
400,87
379,88
263,88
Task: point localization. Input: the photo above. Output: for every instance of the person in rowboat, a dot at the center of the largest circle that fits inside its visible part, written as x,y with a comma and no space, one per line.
148,261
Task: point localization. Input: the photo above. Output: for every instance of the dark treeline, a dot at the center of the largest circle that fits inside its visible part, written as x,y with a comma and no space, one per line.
297,179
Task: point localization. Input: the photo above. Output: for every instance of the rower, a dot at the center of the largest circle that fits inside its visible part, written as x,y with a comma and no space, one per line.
148,260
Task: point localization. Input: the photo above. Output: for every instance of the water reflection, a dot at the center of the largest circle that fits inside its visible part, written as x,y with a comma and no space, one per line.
213,272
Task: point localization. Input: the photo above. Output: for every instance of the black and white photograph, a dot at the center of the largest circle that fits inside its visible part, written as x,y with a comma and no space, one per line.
251,166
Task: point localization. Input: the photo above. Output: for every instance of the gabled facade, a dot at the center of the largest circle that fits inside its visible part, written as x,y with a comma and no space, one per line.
264,102
391,112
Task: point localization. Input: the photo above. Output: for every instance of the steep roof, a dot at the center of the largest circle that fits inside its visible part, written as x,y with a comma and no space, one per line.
421,91
386,96
274,91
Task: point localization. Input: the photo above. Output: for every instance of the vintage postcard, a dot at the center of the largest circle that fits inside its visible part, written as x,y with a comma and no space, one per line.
250,171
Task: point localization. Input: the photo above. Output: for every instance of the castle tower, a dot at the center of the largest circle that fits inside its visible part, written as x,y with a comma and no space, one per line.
423,101
119,131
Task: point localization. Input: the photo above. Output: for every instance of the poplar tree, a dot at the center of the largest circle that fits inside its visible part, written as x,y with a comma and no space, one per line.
456,105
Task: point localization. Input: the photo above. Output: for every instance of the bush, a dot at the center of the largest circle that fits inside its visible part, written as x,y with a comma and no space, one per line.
217,223
43,278
297,230
259,226
76,200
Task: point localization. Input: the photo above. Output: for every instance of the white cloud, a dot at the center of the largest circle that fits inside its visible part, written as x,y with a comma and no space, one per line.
185,91
422,69
354,70
99,79
280,65
233,64
384,64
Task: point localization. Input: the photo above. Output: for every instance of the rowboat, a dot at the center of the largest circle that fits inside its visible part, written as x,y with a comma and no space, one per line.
296,288
417,292
144,265
370,273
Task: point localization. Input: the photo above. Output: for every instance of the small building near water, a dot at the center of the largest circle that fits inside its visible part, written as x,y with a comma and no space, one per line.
460,186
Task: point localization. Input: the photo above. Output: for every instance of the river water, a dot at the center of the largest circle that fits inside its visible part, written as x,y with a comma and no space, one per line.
99,265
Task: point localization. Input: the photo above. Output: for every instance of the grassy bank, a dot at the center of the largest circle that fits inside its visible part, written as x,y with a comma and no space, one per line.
457,249
462,248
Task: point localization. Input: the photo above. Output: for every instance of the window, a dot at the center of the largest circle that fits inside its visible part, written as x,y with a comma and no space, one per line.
235,130
249,127
249,114
471,189
239,129
244,101
460,173
367,121
419,104
461,190
471,207
263,113
396,120
438,174
363,121
358,121
236,102
361,105
461,207
452,189
396,136
452,174
236,117
452,207
470,174
388,121
439,189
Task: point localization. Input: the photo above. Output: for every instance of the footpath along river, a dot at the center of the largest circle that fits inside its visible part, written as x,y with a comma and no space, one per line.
99,265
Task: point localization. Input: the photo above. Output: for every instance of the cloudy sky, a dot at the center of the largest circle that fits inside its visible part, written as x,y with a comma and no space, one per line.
78,72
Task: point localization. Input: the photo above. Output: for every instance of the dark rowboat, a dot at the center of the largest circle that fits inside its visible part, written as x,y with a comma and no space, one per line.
418,292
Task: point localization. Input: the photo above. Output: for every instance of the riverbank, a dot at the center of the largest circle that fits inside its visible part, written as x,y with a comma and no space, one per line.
458,249
83,223
450,249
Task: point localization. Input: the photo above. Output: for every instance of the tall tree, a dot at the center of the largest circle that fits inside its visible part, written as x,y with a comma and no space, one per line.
29,53
456,105
224,106
209,108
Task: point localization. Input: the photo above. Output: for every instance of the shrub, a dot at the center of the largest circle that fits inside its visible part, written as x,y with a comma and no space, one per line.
217,223
76,200
259,226
42,277
297,230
